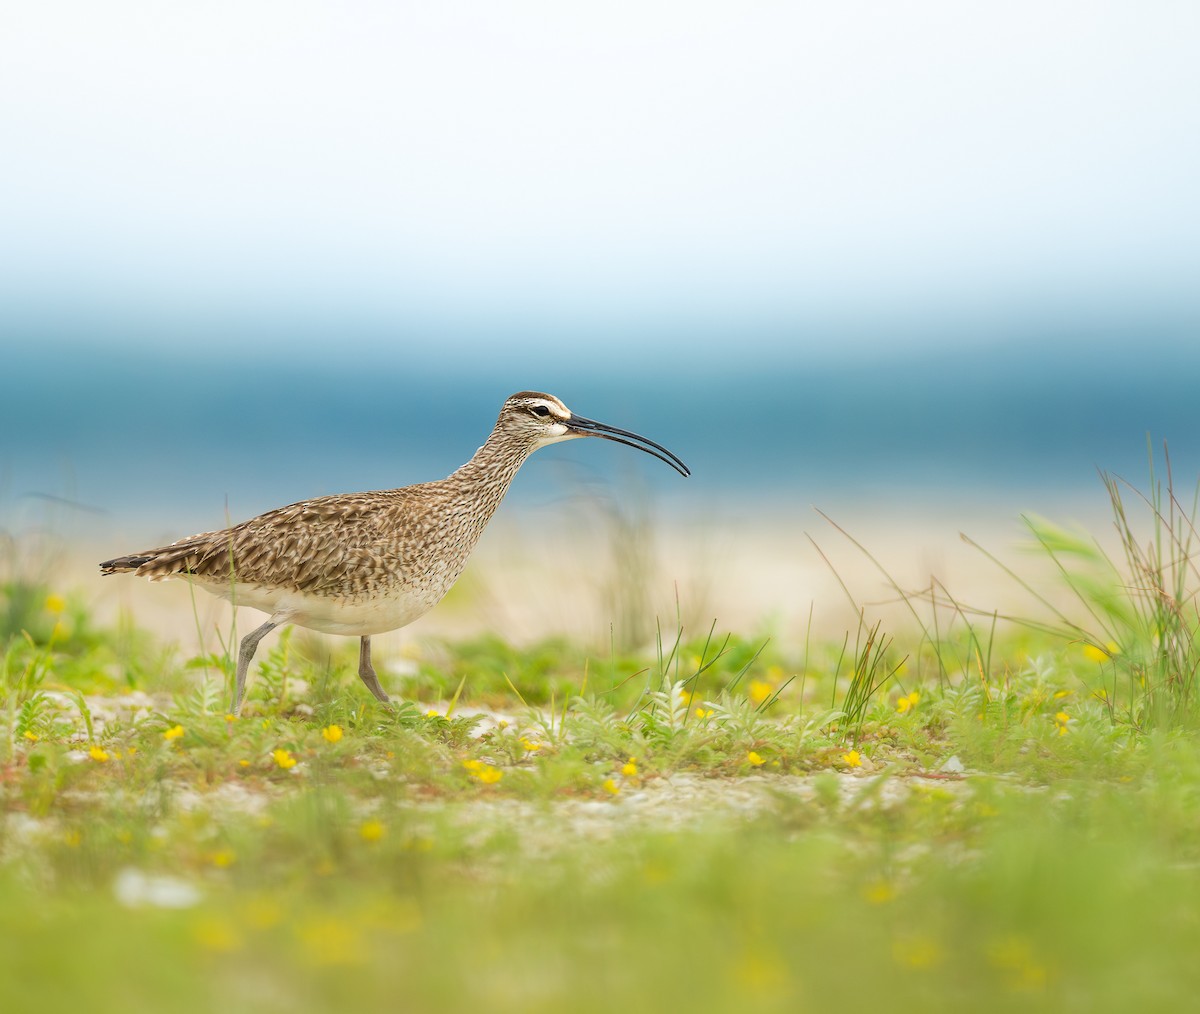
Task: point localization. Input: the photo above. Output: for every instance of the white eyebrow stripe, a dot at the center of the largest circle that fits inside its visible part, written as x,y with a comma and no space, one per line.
556,408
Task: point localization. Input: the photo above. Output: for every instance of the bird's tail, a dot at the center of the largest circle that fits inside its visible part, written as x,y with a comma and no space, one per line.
182,557
125,564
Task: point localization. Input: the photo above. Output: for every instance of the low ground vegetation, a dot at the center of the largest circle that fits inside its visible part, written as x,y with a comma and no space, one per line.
1000,812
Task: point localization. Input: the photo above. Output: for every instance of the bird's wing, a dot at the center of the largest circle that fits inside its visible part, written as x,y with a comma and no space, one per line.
313,545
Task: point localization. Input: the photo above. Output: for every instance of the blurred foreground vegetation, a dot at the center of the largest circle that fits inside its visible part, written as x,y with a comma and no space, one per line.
978,811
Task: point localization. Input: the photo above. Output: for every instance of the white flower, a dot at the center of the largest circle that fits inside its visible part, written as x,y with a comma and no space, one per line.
133,888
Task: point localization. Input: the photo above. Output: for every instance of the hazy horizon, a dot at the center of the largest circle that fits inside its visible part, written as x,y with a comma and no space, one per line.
851,253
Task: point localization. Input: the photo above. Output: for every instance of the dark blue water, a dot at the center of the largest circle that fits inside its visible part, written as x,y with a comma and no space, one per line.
186,431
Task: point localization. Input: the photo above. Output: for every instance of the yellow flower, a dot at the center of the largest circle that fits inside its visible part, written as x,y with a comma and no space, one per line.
243,763
629,768
611,786
173,733
284,759
853,759
908,702
879,892
223,858
372,831
332,733
760,972
530,745
216,934
702,713
98,754
433,713
231,718
489,775
33,737
1098,654
333,941
759,691
55,604
755,759
481,772
1061,721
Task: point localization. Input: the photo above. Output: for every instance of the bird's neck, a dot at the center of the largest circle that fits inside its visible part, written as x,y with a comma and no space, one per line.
494,465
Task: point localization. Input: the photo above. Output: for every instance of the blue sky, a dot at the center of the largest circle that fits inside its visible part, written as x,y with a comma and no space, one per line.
531,169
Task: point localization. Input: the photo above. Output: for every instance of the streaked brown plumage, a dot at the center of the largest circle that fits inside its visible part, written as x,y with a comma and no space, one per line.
366,563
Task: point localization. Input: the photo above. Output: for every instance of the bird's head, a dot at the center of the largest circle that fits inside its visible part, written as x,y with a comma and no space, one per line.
543,419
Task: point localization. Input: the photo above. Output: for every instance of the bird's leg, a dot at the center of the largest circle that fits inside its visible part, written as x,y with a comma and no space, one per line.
246,652
367,672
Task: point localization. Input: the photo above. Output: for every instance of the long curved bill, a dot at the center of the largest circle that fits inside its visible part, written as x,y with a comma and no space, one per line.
590,428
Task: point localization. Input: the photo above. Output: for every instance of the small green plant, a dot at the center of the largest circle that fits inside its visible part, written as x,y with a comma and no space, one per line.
1135,630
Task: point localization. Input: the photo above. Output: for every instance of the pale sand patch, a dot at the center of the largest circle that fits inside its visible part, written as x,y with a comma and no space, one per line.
678,803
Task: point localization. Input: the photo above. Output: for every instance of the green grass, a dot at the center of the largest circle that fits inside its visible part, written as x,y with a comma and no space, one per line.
974,811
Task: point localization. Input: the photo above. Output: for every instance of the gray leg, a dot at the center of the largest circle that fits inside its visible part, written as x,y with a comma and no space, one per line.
246,652
367,672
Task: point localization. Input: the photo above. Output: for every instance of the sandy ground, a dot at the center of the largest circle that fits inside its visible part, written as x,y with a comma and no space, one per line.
579,573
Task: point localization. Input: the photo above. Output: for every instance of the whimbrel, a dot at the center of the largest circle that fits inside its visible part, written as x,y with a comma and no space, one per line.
366,563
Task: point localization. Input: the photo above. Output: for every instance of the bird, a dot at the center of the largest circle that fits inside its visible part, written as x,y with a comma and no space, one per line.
361,564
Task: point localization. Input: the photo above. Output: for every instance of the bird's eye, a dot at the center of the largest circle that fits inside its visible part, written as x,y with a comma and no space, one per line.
541,410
